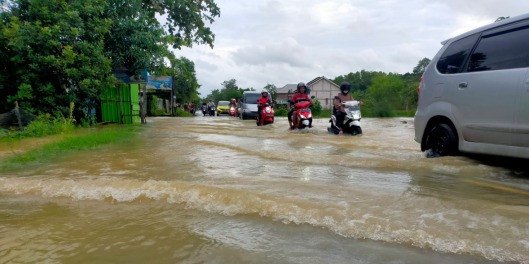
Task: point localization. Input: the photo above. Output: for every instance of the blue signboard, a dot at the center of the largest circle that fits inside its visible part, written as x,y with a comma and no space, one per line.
122,73
160,82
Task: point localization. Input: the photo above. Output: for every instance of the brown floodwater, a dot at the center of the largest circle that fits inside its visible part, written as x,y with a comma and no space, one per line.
221,190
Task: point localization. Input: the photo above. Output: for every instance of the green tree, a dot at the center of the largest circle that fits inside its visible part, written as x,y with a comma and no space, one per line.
185,80
409,93
53,54
56,51
384,95
421,66
359,81
272,90
137,40
229,90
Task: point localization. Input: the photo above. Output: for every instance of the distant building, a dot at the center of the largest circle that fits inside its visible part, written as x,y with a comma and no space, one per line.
322,88
285,93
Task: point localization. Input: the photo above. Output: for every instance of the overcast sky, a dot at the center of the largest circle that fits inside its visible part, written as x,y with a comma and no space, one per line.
281,42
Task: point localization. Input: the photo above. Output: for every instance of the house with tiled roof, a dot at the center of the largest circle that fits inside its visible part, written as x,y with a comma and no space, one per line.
322,88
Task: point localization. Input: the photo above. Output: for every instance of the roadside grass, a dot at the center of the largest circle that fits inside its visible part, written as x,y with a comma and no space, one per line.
324,113
43,125
88,140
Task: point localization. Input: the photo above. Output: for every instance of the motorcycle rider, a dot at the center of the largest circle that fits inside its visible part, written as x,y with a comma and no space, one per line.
339,109
204,108
233,103
261,102
300,95
210,105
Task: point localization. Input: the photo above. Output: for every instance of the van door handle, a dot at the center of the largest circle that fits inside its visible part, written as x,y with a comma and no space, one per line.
463,85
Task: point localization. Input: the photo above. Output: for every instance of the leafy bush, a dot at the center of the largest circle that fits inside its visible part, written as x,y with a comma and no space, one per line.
4,132
45,125
316,107
380,110
182,113
88,121
281,111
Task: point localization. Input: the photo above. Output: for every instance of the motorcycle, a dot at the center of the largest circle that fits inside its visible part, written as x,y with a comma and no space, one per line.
232,111
267,115
302,116
204,109
351,123
212,110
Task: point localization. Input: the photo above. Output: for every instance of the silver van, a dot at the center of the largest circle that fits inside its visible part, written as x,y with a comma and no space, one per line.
474,95
248,107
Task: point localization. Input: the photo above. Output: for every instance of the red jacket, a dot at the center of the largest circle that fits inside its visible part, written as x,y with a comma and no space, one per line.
300,96
263,100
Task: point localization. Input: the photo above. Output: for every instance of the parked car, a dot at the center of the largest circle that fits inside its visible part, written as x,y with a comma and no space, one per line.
474,95
248,106
223,107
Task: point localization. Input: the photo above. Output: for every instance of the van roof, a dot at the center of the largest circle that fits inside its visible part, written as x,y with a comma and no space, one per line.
489,26
245,92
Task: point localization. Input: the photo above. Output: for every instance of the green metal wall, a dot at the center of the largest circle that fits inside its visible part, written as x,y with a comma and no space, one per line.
121,104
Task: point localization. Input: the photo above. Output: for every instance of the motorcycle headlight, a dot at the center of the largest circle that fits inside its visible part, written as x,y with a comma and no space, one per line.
268,110
303,117
310,115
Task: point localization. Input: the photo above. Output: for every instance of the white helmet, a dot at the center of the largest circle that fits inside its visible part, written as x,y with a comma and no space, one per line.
264,91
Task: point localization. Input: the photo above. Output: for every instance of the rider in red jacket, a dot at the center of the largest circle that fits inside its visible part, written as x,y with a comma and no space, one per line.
300,95
262,102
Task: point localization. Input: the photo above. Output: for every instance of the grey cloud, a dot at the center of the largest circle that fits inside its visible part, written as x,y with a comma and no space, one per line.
289,52
205,65
279,42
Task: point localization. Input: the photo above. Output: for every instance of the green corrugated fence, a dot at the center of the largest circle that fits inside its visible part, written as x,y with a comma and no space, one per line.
121,104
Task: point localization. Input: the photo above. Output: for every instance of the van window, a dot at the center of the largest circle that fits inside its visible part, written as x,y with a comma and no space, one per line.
251,98
506,50
455,55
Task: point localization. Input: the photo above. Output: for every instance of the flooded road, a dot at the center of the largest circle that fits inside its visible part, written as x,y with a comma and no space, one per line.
221,190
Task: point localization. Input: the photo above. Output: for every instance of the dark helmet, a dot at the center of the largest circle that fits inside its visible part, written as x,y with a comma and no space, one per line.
345,87
301,84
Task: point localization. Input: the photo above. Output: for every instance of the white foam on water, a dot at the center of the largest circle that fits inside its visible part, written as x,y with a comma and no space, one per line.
415,227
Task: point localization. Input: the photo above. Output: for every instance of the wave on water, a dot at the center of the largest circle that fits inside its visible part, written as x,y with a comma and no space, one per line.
343,219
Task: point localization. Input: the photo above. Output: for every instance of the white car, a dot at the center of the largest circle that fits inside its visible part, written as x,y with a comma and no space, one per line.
474,95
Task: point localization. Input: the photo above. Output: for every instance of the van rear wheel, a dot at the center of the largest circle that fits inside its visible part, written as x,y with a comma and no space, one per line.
441,141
